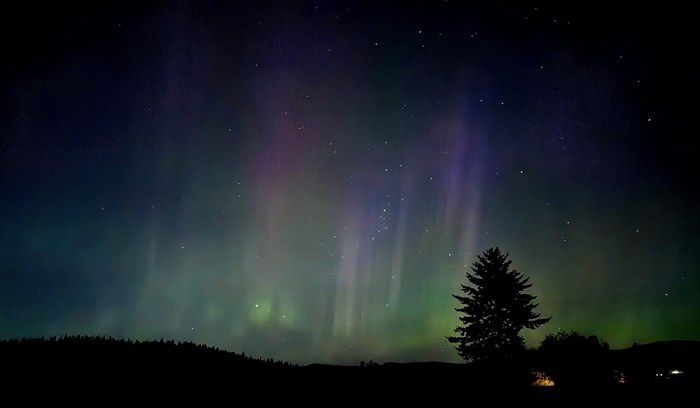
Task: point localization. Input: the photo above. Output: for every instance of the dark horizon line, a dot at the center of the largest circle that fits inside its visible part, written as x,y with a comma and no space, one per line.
215,349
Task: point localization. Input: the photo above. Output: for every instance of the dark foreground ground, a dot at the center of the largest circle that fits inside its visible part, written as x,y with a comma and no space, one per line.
111,368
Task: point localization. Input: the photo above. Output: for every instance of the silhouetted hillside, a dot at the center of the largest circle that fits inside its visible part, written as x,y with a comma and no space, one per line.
663,368
663,361
92,350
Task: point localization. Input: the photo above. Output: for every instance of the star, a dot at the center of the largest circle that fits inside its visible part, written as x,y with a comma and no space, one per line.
152,119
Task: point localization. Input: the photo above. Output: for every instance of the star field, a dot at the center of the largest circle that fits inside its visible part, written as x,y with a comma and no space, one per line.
310,181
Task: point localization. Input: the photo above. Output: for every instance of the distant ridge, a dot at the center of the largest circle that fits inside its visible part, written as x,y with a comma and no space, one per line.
660,356
687,344
91,350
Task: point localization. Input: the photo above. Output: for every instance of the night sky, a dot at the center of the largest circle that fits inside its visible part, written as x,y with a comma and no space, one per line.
308,181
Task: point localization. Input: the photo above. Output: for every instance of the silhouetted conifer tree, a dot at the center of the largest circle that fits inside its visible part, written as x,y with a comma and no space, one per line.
495,309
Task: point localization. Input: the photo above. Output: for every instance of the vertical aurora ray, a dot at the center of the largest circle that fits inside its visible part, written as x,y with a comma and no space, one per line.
310,181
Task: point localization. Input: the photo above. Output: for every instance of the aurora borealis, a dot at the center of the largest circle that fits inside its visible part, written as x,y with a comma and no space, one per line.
308,181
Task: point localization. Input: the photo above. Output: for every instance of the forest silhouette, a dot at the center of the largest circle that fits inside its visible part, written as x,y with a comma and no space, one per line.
662,368
495,308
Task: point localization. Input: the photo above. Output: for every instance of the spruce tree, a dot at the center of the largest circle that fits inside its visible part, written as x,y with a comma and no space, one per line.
494,310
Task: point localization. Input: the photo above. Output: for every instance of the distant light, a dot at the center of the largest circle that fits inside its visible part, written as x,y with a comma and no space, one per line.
676,372
542,380
257,305
620,377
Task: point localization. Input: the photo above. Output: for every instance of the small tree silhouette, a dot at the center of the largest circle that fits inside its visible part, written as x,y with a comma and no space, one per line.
495,309
573,359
